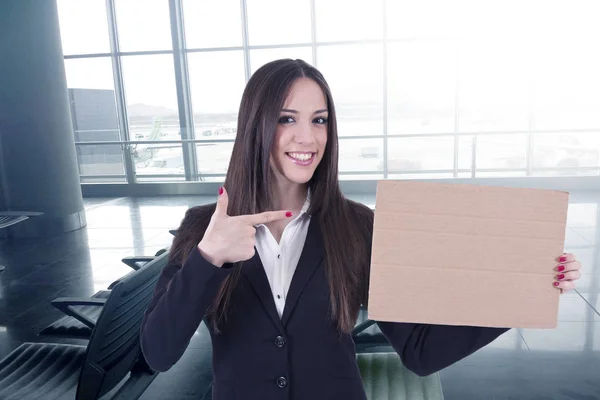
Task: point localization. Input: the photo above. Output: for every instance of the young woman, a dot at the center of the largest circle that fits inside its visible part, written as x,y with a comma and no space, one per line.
279,267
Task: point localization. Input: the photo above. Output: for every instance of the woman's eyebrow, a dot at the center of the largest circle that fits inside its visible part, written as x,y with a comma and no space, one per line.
296,111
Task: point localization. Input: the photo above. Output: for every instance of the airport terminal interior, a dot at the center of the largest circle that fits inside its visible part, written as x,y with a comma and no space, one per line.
117,116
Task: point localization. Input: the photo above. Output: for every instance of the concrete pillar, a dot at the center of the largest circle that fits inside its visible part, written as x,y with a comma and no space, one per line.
38,162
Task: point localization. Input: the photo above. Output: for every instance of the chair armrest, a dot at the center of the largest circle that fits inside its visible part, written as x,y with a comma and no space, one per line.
7,220
131,261
65,304
362,326
20,213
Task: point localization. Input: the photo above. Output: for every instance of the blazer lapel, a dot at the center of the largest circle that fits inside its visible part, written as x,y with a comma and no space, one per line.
310,258
254,271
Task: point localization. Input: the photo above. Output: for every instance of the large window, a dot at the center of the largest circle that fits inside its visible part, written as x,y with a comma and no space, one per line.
95,120
423,89
151,104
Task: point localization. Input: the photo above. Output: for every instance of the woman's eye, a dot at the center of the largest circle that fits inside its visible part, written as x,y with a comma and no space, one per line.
286,120
320,120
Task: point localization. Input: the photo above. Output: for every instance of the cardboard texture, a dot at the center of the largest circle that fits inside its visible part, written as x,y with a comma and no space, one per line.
455,254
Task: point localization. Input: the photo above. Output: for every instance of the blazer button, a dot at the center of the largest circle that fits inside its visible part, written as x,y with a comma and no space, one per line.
279,341
282,382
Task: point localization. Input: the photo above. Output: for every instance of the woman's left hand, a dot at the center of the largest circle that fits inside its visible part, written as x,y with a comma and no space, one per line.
567,272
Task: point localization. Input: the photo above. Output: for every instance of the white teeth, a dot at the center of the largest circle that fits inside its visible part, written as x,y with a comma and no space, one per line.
301,156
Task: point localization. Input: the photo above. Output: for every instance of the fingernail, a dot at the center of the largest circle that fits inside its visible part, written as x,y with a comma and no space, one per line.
221,190
556,283
561,276
288,214
563,259
560,268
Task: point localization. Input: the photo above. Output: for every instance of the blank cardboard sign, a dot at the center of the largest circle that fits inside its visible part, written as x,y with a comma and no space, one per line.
455,254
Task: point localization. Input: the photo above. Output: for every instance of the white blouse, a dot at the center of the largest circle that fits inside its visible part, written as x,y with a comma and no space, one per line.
280,259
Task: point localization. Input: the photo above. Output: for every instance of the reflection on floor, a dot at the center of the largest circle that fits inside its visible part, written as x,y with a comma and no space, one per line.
523,364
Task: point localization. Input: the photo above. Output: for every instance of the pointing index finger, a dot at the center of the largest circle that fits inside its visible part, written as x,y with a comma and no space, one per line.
266,217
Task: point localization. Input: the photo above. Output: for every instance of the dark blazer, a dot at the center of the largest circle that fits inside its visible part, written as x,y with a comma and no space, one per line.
258,355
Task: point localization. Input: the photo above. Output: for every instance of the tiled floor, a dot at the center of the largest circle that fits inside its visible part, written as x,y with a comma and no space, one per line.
563,363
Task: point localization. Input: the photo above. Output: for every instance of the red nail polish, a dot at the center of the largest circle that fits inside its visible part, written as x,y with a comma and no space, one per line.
560,268
561,276
563,259
556,283
288,214
221,190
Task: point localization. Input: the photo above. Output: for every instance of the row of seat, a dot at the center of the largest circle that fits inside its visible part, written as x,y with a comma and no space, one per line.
383,374
81,314
9,218
112,357
111,320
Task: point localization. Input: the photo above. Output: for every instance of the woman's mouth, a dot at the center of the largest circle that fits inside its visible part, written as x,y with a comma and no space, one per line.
301,158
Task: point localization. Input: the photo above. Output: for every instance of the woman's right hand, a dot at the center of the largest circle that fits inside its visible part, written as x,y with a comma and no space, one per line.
232,239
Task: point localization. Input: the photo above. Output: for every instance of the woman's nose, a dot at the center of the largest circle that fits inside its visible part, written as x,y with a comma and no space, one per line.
304,135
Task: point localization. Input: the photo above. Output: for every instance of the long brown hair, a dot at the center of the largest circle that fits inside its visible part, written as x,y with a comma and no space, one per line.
345,227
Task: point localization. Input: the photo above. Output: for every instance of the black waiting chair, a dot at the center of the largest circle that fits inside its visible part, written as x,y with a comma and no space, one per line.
80,317
367,336
386,378
136,263
51,371
8,218
139,261
81,313
383,374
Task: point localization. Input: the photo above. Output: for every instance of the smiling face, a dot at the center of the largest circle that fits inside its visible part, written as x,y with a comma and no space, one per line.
301,133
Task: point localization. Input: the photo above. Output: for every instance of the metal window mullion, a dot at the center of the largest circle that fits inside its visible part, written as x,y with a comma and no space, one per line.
251,47
313,32
530,135
162,144
350,42
355,137
375,172
182,83
120,91
457,112
146,176
530,150
121,176
385,86
245,39
474,156
214,49
596,253
145,53
92,55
